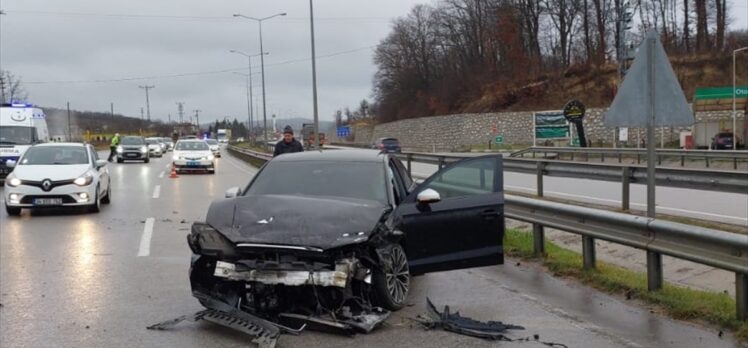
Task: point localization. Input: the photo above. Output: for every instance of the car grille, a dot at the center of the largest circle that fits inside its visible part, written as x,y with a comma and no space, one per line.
54,184
30,199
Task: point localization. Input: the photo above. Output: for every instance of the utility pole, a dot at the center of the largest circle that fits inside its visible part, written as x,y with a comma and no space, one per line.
70,137
197,118
314,79
142,113
147,100
180,111
111,108
170,117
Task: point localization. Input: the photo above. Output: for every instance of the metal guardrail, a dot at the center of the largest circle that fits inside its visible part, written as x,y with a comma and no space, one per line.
589,153
719,249
248,152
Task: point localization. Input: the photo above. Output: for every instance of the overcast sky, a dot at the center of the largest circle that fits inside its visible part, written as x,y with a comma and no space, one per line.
45,41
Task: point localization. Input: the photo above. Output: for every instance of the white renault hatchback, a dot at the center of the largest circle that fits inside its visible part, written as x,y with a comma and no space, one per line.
58,175
193,155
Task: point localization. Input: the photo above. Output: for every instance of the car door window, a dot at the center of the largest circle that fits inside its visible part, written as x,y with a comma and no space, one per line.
406,179
465,178
398,186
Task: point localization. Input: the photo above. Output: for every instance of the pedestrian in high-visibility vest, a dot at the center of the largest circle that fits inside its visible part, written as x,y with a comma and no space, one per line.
113,147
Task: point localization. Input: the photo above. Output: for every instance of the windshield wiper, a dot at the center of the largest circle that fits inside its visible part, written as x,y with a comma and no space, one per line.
8,142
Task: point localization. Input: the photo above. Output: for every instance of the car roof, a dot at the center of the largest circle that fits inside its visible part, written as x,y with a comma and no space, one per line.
344,155
191,141
60,144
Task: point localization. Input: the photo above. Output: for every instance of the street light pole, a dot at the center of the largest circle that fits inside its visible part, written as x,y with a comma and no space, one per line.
314,78
734,111
262,67
250,98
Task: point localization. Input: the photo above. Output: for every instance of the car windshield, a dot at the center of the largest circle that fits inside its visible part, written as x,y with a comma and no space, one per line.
151,141
390,142
362,180
192,146
12,135
46,155
132,141
212,142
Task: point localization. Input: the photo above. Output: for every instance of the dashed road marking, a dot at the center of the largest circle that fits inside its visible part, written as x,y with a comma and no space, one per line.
157,191
161,176
145,239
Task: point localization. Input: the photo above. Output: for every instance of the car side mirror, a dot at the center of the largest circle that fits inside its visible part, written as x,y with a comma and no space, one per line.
100,163
428,196
10,163
232,192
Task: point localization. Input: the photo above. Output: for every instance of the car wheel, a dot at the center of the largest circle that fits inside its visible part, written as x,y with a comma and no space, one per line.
96,206
146,160
392,282
119,160
12,211
212,170
108,198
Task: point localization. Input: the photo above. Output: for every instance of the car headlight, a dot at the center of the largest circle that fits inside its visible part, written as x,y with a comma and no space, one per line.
211,157
120,149
175,158
206,240
13,181
84,180
143,149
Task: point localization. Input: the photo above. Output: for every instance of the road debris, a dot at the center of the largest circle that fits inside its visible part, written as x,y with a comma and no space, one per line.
490,330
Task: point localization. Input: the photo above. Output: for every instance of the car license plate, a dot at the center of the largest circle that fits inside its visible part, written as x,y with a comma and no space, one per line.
193,163
130,154
48,201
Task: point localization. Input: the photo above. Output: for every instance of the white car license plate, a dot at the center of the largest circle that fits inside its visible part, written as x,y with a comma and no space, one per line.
48,201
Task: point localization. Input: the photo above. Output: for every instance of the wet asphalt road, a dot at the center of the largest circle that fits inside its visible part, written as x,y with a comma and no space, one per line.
77,280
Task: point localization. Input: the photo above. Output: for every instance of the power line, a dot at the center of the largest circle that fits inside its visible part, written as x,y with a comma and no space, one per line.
155,77
227,18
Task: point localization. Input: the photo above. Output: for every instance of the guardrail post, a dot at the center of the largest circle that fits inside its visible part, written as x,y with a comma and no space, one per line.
741,296
654,271
410,170
441,163
625,188
734,163
541,168
638,159
659,160
602,157
620,157
706,158
682,160
588,252
538,240
538,231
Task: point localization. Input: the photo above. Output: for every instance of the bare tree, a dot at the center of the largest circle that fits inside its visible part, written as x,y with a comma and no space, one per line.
564,14
11,88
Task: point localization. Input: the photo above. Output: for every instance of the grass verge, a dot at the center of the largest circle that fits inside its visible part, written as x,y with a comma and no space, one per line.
678,302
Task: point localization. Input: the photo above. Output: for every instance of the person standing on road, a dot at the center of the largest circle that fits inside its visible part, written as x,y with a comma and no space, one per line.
113,147
289,144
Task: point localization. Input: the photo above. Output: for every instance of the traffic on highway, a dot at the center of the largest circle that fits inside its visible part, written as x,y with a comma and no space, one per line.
393,173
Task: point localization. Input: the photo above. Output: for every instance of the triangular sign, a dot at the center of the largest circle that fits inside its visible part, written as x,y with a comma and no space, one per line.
631,106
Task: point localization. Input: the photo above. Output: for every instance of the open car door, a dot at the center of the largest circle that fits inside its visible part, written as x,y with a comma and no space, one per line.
455,218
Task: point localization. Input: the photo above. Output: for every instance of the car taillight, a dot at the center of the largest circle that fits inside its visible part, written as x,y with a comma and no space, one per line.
381,146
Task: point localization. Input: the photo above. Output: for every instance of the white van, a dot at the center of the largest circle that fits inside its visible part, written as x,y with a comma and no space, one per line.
21,126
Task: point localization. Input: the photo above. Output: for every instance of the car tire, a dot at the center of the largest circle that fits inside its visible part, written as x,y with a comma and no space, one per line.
392,282
146,160
108,198
12,211
119,160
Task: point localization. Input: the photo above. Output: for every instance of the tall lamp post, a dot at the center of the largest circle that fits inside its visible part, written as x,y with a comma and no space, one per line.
734,111
262,67
314,78
250,97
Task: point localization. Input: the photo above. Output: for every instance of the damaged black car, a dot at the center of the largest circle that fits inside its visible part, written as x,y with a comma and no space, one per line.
329,240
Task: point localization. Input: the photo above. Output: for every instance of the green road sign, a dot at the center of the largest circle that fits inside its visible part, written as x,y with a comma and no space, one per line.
499,139
720,93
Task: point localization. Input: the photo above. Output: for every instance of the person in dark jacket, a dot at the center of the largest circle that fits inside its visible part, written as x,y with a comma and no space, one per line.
289,144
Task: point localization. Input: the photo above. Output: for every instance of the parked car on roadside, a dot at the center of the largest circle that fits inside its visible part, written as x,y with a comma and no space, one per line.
724,141
56,175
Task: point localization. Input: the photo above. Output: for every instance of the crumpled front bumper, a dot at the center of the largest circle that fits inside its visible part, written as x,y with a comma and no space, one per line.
345,270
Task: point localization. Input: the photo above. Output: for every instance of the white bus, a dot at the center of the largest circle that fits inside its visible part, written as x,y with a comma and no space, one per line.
21,126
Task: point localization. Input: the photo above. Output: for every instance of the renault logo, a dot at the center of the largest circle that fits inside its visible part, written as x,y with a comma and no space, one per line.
46,185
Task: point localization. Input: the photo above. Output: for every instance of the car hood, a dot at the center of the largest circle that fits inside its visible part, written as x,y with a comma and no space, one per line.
295,220
193,154
51,172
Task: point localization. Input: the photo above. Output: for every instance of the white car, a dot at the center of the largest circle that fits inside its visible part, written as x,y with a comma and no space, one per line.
214,146
58,175
155,147
193,155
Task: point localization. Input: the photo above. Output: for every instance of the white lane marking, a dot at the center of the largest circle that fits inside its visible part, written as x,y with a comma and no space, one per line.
161,176
157,191
556,193
145,239
168,165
